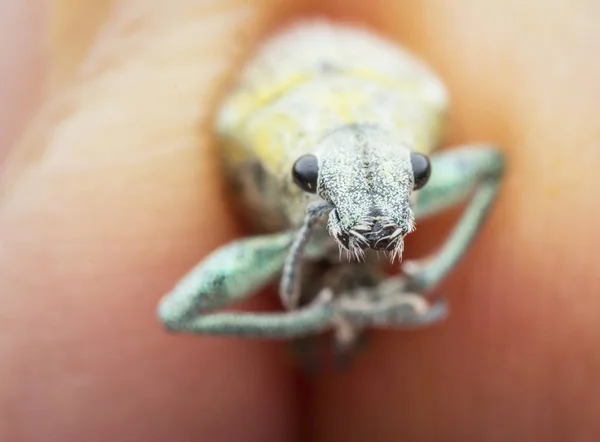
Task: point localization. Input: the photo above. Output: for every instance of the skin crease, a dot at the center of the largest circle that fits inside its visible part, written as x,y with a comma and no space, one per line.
112,193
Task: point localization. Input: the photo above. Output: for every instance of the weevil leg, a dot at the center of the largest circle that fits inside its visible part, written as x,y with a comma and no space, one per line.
387,305
312,319
456,174
232,272
289,288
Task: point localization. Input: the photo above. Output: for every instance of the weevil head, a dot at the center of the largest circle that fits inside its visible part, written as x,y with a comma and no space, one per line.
368,177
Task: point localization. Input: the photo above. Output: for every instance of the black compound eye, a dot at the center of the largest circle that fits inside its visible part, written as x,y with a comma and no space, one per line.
421,169
306,172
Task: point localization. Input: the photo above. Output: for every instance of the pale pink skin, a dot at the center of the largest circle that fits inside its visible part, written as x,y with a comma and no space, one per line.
120,204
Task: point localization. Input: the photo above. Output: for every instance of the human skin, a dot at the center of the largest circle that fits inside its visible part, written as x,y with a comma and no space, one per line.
112,193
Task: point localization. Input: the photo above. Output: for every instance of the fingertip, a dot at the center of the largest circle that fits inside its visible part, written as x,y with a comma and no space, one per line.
115,192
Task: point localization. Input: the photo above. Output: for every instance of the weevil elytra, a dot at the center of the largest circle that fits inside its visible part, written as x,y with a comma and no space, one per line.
328,137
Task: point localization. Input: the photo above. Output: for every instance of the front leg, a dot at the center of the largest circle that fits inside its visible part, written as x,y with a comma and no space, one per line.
232,272
289,288
456,174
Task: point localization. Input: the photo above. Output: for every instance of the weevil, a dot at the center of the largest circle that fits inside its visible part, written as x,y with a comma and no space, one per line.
328,138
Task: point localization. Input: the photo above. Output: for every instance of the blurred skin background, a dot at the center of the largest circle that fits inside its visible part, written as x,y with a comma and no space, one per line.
110,193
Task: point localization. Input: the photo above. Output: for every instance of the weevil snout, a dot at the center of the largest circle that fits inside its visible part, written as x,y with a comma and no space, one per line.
384,236
374,232
368,177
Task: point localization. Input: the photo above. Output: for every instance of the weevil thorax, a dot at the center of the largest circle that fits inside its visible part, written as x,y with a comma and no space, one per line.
366,175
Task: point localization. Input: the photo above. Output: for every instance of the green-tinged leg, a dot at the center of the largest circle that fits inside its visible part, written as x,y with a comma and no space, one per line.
455,175
232,272
309,320
289,288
